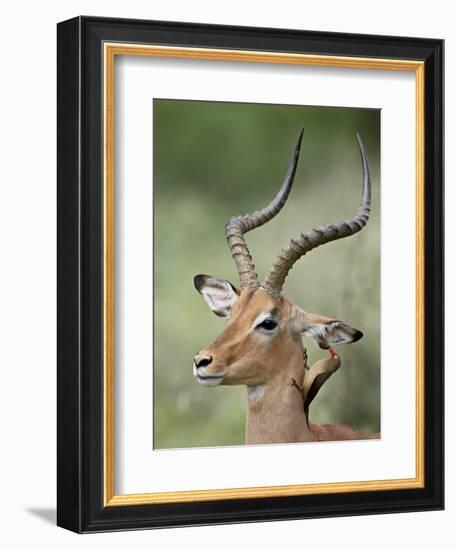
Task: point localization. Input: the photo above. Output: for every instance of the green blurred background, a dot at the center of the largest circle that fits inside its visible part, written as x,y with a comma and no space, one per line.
213,160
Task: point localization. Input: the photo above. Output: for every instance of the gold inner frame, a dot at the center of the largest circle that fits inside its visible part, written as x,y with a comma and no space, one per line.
110,51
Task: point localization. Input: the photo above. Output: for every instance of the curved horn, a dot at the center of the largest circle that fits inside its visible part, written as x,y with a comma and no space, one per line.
321,235
237,226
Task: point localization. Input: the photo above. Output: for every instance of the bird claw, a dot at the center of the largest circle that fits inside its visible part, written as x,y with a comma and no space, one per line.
295,385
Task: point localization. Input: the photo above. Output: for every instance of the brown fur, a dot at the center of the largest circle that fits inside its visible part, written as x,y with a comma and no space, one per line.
338,432
267,364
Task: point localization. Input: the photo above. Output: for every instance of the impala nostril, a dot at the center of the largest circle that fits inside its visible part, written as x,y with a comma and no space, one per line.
203,361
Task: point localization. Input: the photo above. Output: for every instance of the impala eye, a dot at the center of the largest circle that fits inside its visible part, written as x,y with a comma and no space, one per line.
268,324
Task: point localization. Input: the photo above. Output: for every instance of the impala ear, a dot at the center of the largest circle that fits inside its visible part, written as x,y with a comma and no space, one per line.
219,294
326,332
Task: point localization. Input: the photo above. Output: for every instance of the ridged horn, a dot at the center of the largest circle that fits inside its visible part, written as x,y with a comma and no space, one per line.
237,226
321,235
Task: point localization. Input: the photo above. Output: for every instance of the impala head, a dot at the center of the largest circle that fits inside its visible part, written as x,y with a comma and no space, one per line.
264,328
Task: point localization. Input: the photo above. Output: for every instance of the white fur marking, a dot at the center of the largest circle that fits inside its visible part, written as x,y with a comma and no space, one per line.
255,392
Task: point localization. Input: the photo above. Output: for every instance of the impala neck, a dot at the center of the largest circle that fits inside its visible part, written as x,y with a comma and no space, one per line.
275,409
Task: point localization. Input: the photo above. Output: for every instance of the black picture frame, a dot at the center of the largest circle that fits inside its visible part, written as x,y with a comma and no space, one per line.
80,474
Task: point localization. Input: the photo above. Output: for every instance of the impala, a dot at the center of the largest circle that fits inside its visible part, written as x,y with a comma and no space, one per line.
261,347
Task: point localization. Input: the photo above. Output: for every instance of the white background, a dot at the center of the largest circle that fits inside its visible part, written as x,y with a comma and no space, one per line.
138,80
27,289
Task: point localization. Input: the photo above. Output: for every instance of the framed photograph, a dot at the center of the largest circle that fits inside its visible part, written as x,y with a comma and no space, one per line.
250,274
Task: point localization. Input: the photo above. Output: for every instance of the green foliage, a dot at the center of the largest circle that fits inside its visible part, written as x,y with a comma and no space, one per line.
214,160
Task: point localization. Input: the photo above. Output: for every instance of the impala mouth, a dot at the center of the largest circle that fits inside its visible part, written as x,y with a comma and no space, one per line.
207,379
